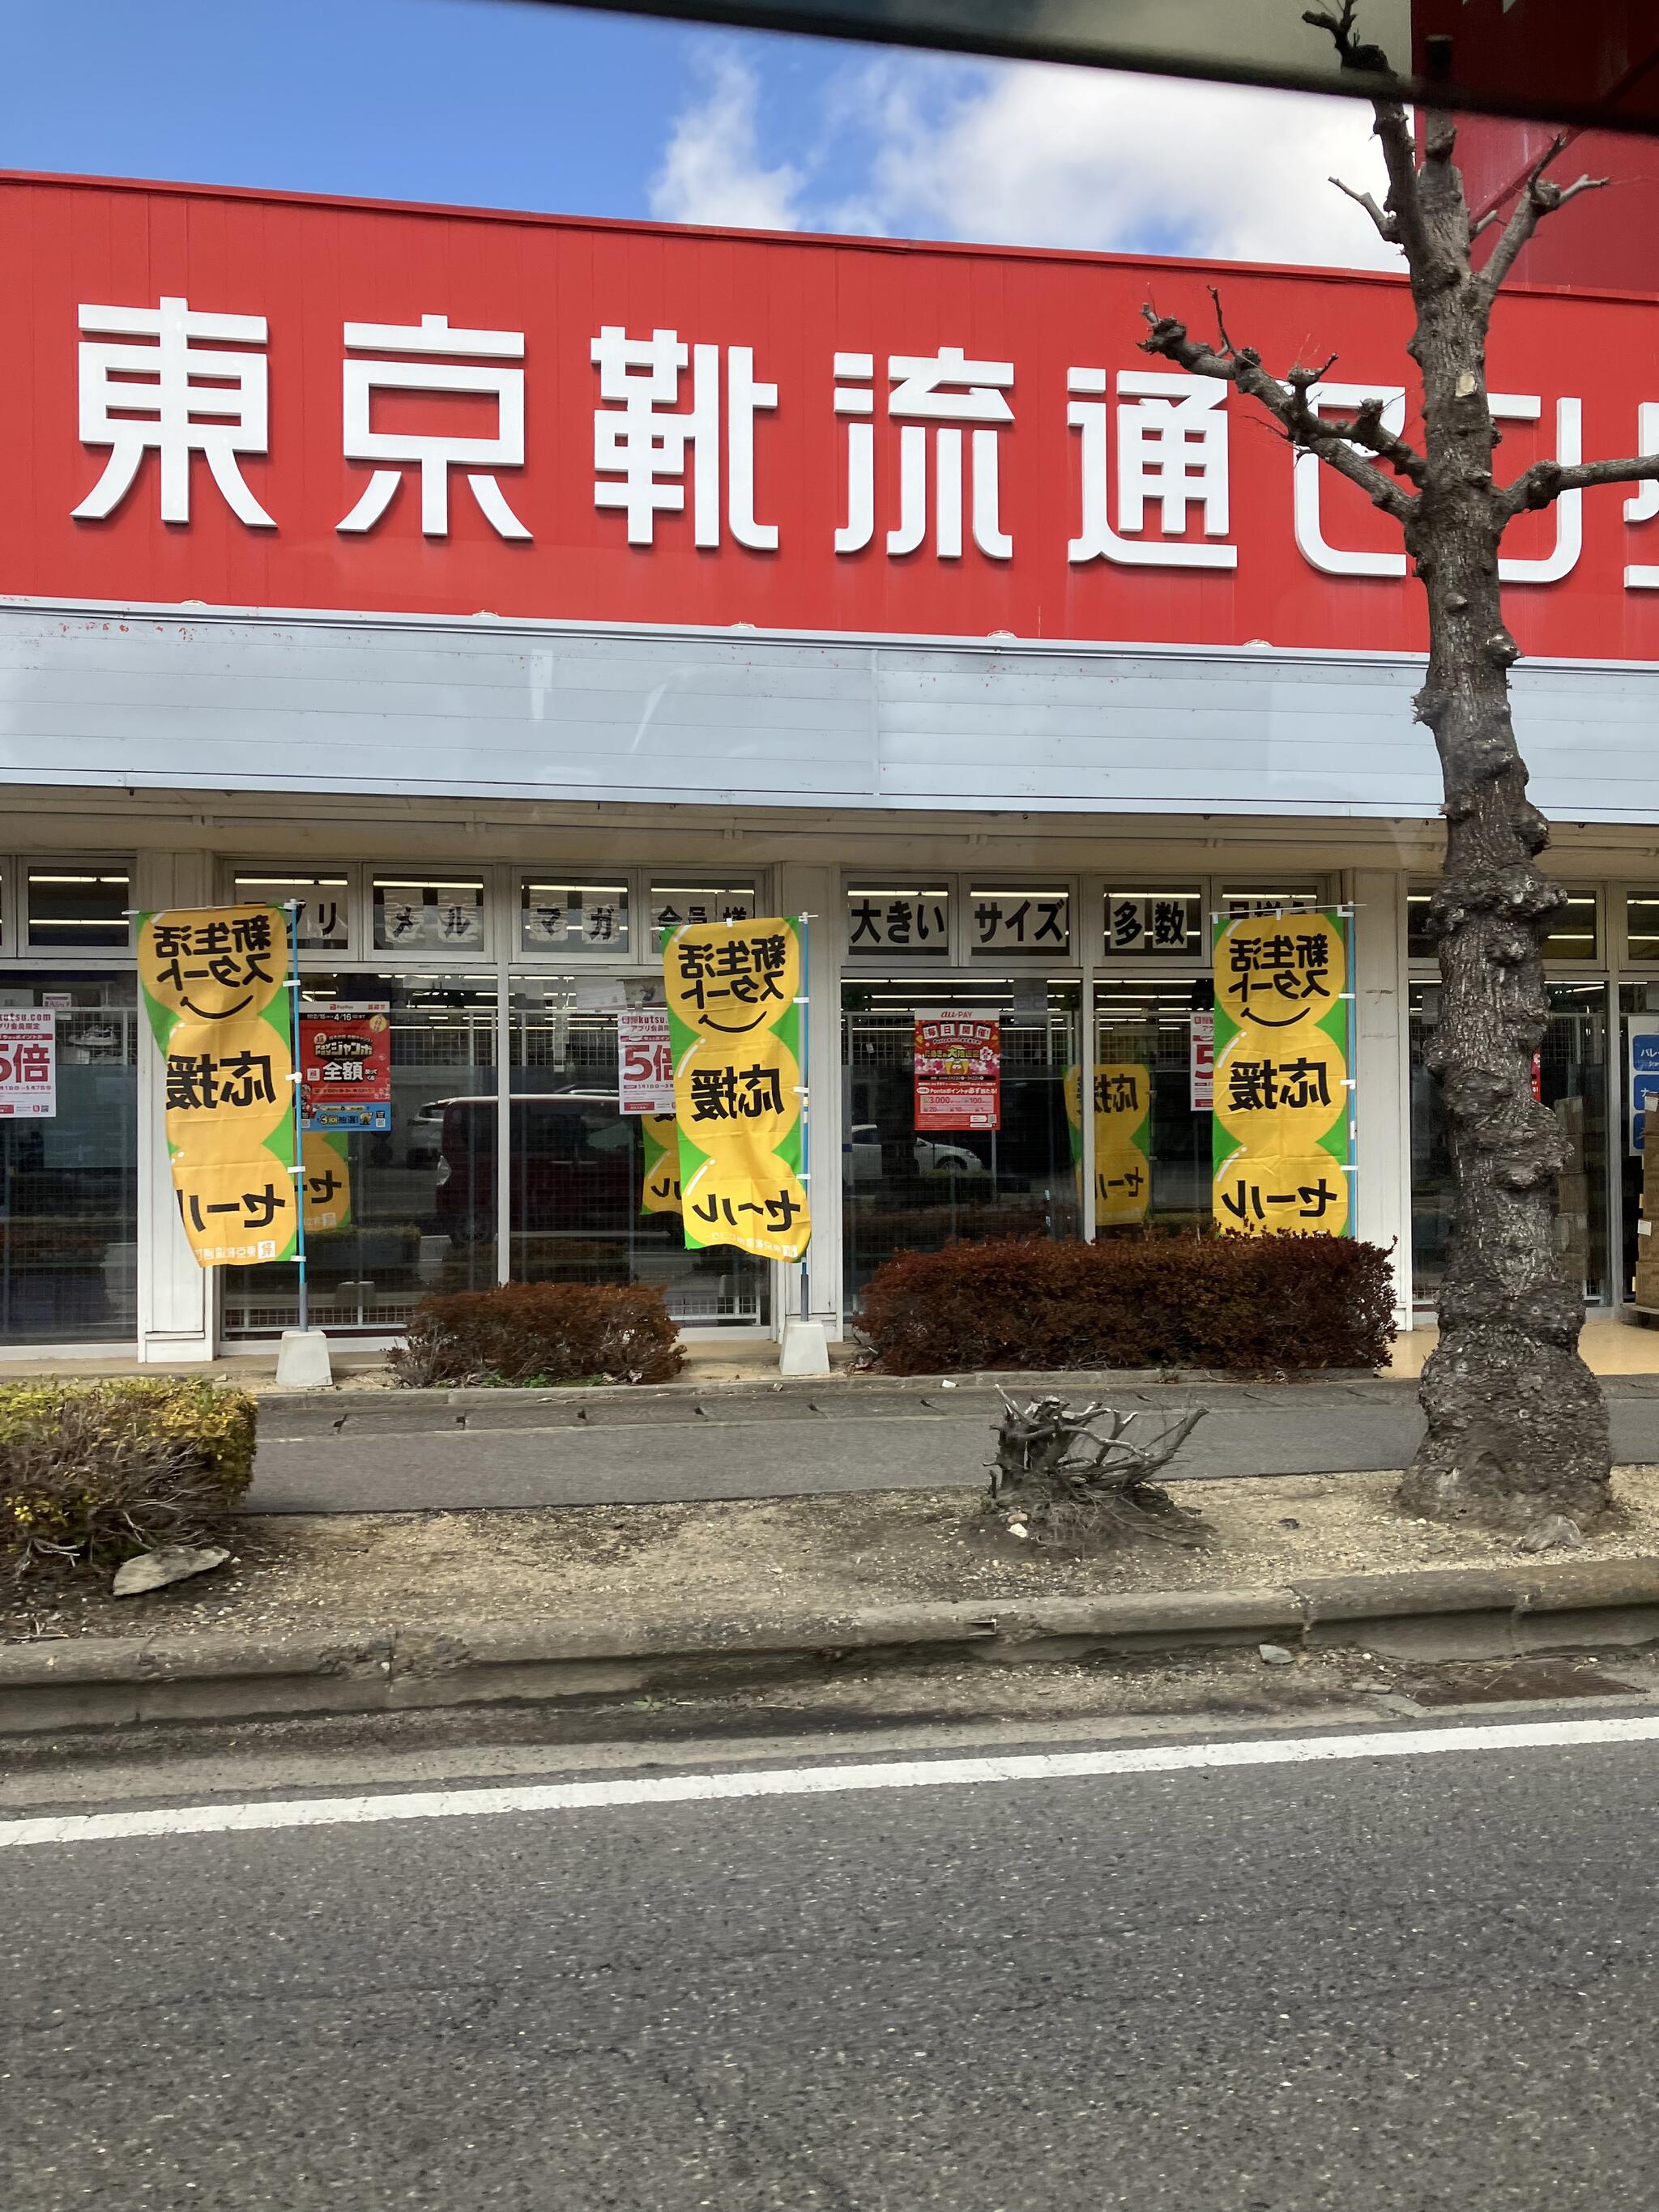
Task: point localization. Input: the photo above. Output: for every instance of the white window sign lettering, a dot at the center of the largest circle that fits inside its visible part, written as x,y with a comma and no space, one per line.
643,434
1643,503
162,391
950,390
1171,455
1020,921
904,921
470,368
29,1064
645,1061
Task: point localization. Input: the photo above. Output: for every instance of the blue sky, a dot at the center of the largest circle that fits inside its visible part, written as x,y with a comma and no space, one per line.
490,103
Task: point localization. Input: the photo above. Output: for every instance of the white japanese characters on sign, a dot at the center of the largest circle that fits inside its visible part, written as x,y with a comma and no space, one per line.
466,370
29,1064
162,392
674,429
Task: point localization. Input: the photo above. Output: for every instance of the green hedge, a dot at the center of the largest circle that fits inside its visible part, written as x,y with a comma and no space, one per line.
91,1472
1254,1304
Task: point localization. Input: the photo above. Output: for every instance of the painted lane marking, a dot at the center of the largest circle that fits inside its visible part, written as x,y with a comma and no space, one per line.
823,1781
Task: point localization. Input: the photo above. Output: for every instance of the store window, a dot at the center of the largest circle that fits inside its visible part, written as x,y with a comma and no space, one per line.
429,914
1162,923
1642,927
579,1207
1145,1030
68,1184
1576,935
78,910
1006,921
884,921
322,904
907,1188
578,920
1276,894
734,899
419,1198
1571,1080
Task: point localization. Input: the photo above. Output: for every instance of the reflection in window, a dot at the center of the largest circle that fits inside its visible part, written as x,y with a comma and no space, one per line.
1150,1025
570,917
76,910
427,914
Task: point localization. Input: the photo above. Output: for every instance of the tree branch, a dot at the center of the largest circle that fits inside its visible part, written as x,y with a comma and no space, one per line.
1539,196
1404,204
1546,481
1387,226
1287,402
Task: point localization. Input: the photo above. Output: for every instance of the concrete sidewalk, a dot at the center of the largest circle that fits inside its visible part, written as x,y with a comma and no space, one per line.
416,1451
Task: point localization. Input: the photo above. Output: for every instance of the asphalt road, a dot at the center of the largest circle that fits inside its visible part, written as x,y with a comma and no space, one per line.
782,1448
1414,1981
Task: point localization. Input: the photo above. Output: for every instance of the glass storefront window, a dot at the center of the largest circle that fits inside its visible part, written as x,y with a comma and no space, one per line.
1164,923
1005,919
905,1191
78,910
324,903
421,1197
578,1168
1642,927
429,914
1276,896
733,900
884,921
1572,1082
577,919
68,1186
1139,1023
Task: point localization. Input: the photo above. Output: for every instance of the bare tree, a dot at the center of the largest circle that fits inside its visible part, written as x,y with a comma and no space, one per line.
1517,1427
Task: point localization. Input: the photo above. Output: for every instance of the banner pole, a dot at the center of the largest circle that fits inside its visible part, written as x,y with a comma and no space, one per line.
293,906
805,1091
1353,1075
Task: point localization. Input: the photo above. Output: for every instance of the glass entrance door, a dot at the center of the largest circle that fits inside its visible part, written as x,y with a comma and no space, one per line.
908,1190
1572,1082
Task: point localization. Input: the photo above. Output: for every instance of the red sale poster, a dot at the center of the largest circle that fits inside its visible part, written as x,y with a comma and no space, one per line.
959,1060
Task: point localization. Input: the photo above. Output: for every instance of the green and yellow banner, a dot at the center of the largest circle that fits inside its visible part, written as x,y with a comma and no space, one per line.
659,1181
327,1179
1123,1112
213,983
735,1032
1281,1152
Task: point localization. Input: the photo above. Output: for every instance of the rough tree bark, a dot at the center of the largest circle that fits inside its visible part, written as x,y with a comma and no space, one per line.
1517,1427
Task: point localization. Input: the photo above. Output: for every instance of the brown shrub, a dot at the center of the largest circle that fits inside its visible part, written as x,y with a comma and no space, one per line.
540,1333
1249,1304
91,1472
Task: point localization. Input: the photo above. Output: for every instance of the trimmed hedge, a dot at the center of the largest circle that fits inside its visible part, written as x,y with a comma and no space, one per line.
92,1473
1250,1303
533,1334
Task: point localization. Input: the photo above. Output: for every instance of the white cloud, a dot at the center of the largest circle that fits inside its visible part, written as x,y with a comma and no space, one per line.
712,171
1030,154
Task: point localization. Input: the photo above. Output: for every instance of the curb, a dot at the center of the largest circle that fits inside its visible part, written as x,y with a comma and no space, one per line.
1436,1612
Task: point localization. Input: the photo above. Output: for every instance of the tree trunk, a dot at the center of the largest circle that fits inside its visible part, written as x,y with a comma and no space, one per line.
1517,1427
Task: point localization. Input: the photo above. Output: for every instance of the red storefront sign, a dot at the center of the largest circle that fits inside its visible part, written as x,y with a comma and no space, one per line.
345,1067
959,1071
249,400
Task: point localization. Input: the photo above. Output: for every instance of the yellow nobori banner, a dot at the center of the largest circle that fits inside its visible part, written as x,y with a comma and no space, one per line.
213,984
735,1031
1282,1153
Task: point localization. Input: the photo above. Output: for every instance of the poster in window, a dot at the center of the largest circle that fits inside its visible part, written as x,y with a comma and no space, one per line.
958,1070
345,1066
29,1064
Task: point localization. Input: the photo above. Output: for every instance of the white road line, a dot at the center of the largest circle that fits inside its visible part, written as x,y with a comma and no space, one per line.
822,1781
